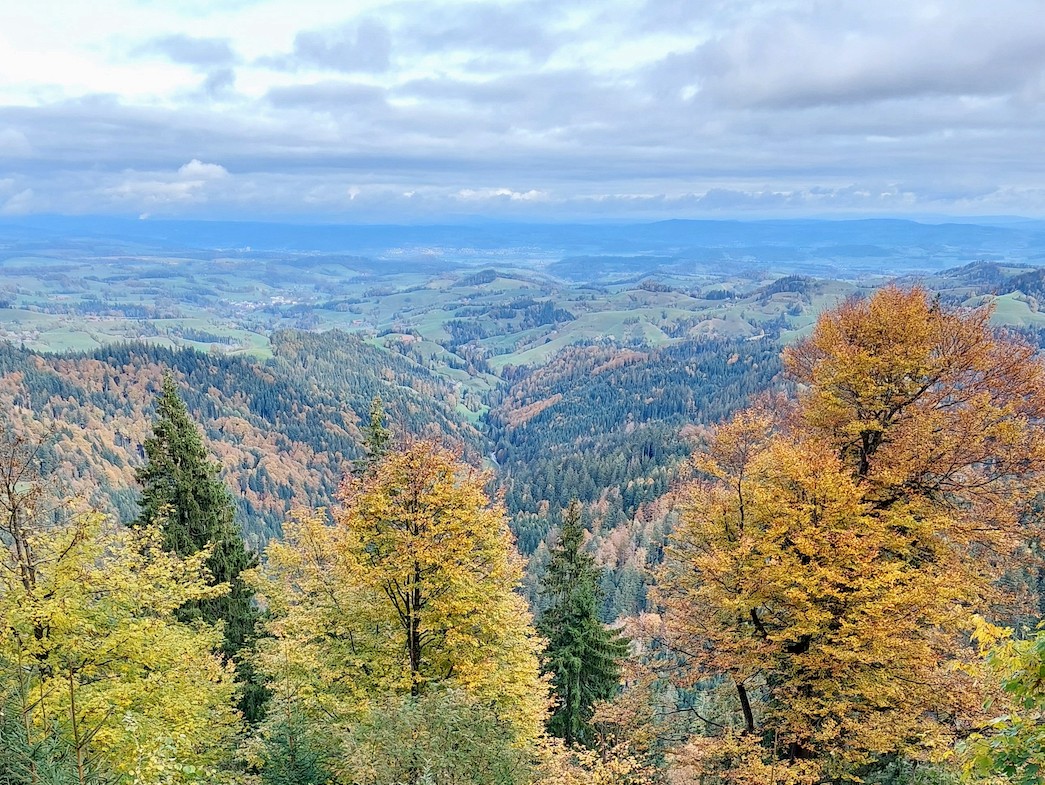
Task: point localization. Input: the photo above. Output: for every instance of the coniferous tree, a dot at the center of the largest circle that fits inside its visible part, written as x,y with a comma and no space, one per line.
583,654
376,437
182,491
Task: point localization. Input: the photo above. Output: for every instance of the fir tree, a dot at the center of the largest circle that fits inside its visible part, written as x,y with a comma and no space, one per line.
182,491
376,437
583,656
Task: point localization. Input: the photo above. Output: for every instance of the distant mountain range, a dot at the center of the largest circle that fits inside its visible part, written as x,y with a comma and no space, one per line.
822,247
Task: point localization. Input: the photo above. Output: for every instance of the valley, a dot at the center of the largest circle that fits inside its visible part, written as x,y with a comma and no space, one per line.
565,375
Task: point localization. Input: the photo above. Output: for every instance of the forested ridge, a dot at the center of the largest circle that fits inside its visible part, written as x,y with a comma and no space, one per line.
602,422
840,586
282,430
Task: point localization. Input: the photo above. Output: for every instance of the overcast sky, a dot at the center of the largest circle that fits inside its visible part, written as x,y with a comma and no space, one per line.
422,110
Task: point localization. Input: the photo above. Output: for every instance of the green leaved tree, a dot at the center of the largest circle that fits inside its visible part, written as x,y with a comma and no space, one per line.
183,493
377,438
583,655
1010,747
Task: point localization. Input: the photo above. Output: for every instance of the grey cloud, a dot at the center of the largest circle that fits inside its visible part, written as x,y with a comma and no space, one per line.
201,52
326,96
364,45
521,27
549,102
219,82
859,53
794,106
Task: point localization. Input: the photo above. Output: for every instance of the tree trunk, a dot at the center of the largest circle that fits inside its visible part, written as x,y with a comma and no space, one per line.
745,706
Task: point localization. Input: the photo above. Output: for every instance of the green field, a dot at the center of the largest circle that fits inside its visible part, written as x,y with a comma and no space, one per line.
467,324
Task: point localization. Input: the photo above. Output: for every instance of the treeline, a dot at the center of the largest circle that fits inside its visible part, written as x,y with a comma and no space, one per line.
473,323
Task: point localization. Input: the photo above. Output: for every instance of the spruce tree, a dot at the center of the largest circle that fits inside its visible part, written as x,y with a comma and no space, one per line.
183,492
376,438
583,656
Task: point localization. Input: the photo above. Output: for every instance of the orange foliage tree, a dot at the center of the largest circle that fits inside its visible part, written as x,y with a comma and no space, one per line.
836,548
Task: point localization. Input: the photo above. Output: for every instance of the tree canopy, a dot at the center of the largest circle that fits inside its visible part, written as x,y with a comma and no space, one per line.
831,553
407,593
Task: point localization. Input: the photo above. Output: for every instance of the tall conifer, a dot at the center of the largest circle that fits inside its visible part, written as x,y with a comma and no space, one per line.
376,438
583,655
182,491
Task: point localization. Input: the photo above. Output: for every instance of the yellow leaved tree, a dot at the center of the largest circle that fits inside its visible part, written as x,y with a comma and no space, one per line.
102,679
408,592
831,558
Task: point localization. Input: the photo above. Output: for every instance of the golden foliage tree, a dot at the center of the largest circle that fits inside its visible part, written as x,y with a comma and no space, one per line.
409,591
92,657
831,557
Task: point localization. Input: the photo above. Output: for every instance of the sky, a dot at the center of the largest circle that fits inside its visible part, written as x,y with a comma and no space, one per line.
431,110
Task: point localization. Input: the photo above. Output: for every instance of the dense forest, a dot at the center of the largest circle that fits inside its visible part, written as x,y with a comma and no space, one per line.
709,562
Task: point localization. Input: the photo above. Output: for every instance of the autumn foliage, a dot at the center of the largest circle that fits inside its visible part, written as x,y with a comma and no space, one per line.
408,592
831,557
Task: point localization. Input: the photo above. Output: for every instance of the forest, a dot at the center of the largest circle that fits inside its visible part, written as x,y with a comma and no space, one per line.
708,562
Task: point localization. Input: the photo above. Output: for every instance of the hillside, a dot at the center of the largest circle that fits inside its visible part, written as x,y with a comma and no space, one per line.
284,431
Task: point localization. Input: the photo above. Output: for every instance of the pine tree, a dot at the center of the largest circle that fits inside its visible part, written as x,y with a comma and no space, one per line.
183,493
583,655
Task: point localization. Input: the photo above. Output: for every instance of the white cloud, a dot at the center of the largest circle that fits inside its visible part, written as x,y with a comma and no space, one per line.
190,184
197,170
482,194
21,203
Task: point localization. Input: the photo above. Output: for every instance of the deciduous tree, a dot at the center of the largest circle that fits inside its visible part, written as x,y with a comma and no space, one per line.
407,593
832,554
104,679
1011,746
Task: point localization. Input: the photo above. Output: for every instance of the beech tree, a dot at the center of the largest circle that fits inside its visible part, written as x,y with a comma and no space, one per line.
408,592
583,655
831,557
100,679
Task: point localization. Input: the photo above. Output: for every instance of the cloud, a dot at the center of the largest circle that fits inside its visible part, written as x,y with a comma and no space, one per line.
188,50
14,143
363,45
526,27
851,53
326,95
219,82
197,170
484,194
188,185
22,203
551,108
